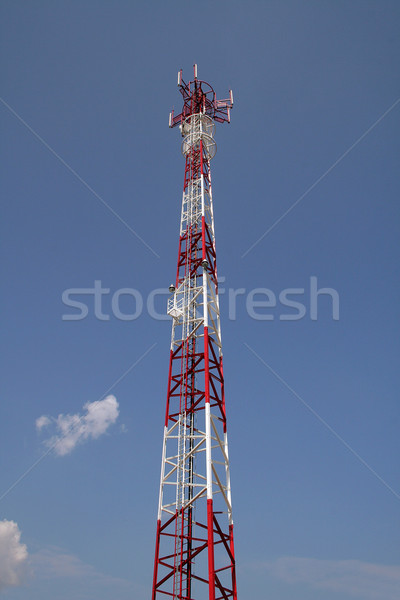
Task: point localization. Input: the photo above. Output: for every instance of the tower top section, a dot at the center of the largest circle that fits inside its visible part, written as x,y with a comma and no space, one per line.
200,98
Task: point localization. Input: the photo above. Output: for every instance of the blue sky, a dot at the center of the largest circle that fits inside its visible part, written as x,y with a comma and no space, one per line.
312,404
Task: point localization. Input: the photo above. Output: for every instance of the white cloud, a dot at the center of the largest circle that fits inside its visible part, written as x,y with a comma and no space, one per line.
13,555
72,430
42,421
360,579
55,568
56,563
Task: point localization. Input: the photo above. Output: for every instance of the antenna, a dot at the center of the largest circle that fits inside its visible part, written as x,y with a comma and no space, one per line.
195,555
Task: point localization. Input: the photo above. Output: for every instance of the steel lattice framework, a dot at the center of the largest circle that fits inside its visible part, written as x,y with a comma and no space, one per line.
194,556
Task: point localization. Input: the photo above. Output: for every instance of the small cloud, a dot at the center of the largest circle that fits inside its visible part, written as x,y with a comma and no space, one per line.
42,421
353,577
72,430
53,563
13,555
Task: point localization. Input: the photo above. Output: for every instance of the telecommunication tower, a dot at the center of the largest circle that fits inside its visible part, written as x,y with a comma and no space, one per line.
194,557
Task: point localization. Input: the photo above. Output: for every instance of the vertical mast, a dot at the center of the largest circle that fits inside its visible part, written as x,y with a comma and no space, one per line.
194,556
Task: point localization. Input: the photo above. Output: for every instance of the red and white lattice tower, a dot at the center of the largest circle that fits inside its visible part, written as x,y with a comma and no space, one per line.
194,558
